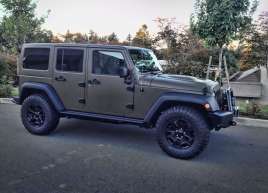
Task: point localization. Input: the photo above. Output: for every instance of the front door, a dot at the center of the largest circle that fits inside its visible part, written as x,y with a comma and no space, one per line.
107,93
69,76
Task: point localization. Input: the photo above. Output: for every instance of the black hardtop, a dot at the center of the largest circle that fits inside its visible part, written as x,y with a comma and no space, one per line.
102,46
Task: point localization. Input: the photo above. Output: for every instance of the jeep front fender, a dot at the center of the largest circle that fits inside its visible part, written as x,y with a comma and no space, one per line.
183,98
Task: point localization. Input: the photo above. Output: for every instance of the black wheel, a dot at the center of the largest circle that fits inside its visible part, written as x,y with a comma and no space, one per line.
182,132
38,116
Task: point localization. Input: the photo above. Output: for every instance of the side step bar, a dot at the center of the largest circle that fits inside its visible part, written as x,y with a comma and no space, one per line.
101,117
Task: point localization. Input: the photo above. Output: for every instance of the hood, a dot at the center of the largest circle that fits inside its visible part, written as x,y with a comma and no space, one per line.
183,83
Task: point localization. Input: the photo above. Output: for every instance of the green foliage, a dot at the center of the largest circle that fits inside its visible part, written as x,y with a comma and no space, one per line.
5,90
3,69
20,25
113,39
218,22
8,67
143,38
253,48
93,37
186,53
75,37
253,109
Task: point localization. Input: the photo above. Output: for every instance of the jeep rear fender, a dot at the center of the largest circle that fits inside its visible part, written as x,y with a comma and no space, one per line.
177,98
31,88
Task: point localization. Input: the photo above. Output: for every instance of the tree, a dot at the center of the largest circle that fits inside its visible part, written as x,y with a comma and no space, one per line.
74,37
218,22
185,52
129,39
252,46
3,69
263,22
7,71
113,39
143,38
167,37
93,37
20,24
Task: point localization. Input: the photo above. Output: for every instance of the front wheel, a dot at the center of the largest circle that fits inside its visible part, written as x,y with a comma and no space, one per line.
182,132
38,116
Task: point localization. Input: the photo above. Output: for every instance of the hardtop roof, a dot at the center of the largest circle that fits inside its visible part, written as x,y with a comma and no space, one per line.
82,45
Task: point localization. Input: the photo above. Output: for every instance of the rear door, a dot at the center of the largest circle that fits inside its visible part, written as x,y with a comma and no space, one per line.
69,76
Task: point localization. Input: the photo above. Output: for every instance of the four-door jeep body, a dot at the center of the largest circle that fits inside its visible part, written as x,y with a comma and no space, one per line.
119,84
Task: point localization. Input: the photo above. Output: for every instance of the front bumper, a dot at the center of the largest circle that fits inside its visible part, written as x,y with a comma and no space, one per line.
221,119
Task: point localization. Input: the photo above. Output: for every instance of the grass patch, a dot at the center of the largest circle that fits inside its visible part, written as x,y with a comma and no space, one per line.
15,92
253,109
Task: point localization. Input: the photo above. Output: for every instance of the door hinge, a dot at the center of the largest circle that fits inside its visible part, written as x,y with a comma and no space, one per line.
82,101
131,88
130,106
82,84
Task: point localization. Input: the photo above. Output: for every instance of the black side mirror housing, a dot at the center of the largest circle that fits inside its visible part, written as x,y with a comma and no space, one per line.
123,72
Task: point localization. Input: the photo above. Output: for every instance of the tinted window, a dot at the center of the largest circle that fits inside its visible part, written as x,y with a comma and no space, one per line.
36,58
108,63
70,60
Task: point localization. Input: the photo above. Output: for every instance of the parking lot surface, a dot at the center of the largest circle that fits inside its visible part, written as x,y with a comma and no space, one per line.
85,157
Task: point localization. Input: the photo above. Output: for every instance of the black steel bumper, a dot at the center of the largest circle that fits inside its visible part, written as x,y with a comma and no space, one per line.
220,119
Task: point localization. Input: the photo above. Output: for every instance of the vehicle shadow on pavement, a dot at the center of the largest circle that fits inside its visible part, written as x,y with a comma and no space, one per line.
107,134
222,144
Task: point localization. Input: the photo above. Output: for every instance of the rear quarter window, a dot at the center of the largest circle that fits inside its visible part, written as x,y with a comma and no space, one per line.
36,58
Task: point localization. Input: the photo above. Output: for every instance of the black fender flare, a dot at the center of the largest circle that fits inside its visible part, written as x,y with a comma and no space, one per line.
181,98
43,87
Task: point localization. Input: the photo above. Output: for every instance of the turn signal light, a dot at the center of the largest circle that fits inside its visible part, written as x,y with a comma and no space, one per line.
207,106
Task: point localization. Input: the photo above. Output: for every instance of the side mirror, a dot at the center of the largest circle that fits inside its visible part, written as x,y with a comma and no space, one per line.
123,72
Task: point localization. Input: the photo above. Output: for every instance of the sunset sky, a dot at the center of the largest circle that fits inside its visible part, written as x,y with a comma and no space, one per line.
119,16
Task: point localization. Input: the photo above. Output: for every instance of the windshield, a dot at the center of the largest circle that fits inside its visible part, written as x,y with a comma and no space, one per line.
145,60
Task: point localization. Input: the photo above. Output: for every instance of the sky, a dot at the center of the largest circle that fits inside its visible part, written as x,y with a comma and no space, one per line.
119,16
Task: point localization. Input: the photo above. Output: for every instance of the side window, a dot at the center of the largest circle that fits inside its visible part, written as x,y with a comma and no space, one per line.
36,58
107,62
70,60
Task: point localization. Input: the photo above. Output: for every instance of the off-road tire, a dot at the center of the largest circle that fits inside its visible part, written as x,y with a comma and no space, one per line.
200,131
51,116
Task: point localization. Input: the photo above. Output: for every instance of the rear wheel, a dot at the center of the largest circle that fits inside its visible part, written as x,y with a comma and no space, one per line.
182,132
38,116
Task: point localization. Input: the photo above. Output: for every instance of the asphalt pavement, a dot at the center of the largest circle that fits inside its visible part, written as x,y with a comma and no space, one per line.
85,157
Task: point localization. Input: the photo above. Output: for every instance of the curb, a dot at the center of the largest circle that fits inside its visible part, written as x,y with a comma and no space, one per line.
243,121
6,101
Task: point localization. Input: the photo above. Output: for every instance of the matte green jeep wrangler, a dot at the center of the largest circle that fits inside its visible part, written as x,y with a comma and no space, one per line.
119,84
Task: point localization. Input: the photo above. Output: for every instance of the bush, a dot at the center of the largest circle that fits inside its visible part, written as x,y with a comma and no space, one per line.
253,109
3,69
8,66
5,90
194,62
